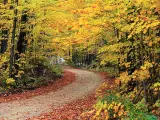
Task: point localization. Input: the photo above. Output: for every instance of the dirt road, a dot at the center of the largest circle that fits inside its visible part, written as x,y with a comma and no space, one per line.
84,84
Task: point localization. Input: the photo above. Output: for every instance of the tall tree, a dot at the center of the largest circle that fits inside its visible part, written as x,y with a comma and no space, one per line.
15,19
4,35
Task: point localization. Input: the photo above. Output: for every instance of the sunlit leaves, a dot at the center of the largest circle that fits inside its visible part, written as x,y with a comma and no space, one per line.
10,81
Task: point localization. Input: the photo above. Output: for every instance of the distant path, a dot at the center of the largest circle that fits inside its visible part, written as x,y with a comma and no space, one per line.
85,83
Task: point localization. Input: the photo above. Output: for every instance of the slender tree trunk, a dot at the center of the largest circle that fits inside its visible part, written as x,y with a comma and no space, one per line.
21,44
4,36
142,63
4,41
13,40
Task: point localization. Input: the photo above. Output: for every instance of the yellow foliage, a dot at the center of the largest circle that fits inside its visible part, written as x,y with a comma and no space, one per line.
124,77
108,7
141,74
20,73
10,80
117,109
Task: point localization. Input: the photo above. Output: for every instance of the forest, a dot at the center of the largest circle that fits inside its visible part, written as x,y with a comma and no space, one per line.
120,38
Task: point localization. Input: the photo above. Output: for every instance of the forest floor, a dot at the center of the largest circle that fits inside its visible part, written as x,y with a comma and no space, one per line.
81,89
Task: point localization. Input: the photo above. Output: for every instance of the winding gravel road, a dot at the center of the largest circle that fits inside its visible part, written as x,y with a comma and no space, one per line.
85,83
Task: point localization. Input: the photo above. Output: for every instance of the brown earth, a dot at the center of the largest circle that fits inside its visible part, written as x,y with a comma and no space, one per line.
23,109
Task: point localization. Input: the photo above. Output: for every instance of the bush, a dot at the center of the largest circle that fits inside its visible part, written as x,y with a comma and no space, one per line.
34,73
114,107
71,63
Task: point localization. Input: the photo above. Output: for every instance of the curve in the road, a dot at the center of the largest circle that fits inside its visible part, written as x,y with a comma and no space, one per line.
85,83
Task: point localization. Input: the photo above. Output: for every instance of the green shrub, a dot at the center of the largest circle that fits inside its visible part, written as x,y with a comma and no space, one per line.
34,73
115,107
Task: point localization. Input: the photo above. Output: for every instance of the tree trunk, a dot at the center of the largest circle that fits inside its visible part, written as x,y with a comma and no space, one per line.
13,40
142,63
21,44
4,36
4,41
